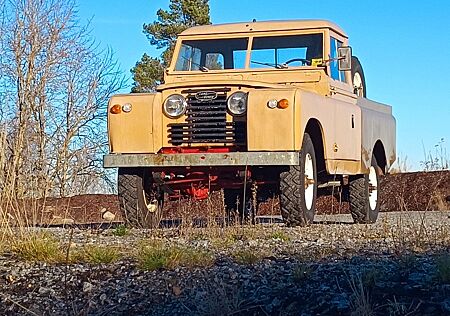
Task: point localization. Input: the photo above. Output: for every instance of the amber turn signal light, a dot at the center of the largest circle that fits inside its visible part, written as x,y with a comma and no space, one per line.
283,104
116,109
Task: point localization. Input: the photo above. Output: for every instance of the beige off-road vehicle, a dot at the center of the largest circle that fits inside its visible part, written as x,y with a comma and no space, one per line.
256,109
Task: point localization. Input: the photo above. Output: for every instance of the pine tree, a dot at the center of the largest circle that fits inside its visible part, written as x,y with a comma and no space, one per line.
182,14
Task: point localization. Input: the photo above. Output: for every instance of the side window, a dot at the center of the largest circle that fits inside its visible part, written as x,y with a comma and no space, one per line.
335,73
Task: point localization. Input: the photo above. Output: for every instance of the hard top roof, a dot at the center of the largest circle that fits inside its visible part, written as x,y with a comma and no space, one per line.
248,27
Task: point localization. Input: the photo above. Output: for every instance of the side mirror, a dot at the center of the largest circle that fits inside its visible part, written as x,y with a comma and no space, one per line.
345,58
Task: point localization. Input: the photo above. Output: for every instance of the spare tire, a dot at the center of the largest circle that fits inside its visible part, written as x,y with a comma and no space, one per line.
358,79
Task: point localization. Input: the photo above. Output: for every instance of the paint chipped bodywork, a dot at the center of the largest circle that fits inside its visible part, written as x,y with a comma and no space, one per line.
350,126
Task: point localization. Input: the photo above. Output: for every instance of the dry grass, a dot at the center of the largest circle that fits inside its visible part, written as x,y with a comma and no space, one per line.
99,254
156,255
225,299
38,246
120,231
280,235
42,246
245,256
402,309
360,299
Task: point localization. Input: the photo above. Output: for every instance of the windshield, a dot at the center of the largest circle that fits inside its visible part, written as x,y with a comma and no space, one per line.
216,54
267,52
287,51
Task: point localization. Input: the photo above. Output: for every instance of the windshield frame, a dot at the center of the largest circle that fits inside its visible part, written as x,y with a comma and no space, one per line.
250,36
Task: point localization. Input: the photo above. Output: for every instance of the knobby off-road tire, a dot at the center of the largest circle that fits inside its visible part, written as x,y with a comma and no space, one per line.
141,201
363,195
298,187
358,79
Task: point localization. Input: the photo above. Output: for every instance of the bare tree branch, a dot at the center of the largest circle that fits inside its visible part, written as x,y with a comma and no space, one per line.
54,86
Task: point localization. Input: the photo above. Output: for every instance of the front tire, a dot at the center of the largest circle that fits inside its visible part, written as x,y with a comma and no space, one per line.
141,200
363,195
298,187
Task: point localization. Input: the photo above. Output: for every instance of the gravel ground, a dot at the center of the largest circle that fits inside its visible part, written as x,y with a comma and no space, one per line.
399,266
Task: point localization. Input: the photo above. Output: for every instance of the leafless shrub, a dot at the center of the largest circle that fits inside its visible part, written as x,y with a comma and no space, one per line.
54,87
437,160
399,308
401,165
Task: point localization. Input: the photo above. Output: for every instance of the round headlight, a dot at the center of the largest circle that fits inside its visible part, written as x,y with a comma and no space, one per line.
237,103
175,106
127,107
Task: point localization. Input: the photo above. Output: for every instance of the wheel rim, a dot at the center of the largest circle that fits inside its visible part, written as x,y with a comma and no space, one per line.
152,205
309,181
373,188
358,84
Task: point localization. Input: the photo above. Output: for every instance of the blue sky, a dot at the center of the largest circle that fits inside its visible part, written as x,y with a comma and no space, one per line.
404,47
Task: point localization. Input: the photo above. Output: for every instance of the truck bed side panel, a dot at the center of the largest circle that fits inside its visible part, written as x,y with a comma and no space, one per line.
377,124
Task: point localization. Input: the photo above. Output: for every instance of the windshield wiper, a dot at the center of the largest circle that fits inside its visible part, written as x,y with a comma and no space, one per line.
277,66
200,67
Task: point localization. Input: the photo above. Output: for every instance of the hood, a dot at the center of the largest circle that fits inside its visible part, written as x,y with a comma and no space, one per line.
218,83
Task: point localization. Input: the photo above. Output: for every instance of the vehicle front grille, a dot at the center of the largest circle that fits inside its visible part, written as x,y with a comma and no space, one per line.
206,122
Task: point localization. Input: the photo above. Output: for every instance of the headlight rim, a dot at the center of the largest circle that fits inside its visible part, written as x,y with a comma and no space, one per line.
246,103
166,113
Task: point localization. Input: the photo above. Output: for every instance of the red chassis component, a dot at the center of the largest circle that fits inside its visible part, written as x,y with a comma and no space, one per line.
196,150
198,182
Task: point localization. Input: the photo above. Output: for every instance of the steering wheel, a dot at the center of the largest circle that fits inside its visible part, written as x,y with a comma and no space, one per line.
305,62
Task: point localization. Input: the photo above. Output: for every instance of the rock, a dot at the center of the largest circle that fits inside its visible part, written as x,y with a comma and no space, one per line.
176,290
87,287
103,298
43,290
108,216
446,305
276,302
10,278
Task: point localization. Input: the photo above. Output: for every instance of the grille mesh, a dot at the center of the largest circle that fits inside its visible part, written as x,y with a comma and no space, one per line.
206,122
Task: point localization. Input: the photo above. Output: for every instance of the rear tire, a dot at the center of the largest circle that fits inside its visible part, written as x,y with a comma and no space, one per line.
141,200
363,195
298,187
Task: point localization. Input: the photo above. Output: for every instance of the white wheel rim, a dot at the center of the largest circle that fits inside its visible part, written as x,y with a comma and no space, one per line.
309,181
152,206
358,84
373,188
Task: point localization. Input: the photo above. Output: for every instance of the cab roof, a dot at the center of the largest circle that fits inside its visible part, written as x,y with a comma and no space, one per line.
264,26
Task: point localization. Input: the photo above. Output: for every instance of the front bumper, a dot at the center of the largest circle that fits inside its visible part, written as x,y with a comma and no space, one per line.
199,160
